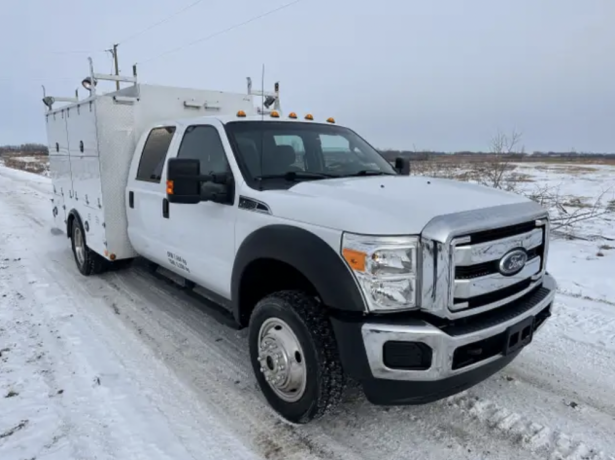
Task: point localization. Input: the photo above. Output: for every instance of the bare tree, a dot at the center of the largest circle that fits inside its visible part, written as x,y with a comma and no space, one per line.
498,168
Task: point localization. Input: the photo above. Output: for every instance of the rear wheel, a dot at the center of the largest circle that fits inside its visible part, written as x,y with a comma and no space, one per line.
88,262
294,356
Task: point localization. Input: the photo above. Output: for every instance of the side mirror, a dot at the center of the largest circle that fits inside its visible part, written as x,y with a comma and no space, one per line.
183,180
402,166
186,185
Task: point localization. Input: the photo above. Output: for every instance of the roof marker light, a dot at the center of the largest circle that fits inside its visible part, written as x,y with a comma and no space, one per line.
292,115
330,120
309,116
241,114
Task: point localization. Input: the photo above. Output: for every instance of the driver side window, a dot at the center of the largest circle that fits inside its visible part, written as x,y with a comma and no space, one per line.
203,143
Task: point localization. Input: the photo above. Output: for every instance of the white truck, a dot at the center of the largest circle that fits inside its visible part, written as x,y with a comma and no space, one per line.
341,265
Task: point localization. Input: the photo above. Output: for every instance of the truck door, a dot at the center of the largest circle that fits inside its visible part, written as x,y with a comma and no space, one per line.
147,205
201,236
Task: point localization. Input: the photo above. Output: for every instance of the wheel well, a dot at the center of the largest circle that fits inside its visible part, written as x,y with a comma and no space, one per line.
265,276
69,224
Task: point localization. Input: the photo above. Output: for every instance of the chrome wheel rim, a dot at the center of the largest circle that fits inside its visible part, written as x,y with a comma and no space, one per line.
281,359
79,246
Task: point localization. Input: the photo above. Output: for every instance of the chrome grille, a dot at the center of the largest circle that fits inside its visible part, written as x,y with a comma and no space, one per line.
464,248
478,285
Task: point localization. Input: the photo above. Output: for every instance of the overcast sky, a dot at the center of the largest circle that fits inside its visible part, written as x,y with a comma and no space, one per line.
438,74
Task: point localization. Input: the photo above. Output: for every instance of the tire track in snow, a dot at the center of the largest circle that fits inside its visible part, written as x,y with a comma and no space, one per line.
569,371
385,441
573,356
211,367
51,361
539,439
106,425
186,338
595,328
585,297
122,371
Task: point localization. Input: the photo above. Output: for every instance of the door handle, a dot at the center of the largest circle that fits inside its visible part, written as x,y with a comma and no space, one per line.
165,208
131,199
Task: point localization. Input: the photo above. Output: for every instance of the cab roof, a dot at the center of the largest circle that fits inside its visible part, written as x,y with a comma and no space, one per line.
224,119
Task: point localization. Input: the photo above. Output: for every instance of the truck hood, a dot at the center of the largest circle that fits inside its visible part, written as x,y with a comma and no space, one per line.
381,205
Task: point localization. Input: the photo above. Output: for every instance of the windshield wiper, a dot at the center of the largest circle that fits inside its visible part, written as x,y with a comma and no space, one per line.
292,176
369,172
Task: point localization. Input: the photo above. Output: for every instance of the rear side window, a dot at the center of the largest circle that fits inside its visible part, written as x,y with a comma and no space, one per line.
154,154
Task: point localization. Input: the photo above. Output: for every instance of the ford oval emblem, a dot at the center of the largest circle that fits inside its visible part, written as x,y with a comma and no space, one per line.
513,262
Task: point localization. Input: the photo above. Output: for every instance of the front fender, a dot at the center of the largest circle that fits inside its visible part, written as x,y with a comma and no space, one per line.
307,253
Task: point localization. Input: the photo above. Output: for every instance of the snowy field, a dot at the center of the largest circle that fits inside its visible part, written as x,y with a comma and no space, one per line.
125,367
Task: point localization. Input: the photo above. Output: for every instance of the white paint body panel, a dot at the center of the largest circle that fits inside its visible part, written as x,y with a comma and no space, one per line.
93,181
204,236
380,205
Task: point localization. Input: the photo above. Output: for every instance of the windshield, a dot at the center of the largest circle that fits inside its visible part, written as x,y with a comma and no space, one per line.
271,153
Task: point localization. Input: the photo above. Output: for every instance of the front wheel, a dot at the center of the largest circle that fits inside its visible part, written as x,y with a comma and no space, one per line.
294,356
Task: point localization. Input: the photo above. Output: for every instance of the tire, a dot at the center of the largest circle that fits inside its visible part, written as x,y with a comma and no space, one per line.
293,317
88,262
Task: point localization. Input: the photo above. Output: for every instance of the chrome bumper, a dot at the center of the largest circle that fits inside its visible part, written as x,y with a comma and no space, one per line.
443,345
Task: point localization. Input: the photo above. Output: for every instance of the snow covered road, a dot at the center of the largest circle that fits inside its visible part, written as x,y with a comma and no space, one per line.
125,366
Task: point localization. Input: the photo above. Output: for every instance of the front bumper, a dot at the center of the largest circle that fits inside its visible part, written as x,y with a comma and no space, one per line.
460,353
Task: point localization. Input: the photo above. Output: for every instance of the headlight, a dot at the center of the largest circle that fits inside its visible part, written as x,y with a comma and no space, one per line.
386,269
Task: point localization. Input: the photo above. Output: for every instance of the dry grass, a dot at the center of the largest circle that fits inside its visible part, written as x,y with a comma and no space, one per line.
572,161
570,169
576,169
522,177
467,171
577,202
540,162
37,164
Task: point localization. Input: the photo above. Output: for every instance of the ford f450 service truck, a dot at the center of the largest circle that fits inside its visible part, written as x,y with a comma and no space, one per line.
341,265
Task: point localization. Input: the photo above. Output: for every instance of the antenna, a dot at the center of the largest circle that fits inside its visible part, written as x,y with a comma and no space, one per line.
263,93
262,119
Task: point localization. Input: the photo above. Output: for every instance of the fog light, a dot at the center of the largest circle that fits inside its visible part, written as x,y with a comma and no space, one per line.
411,356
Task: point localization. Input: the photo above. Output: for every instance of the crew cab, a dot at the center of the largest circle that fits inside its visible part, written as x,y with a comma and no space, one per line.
341,264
